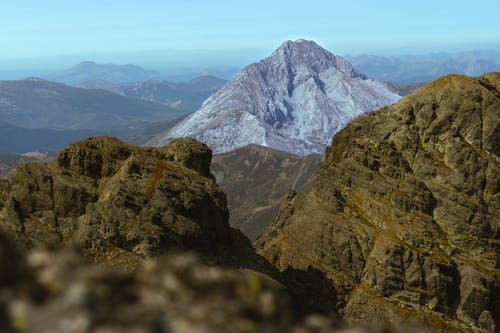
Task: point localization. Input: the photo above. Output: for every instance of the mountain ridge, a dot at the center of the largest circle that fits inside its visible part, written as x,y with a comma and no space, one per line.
89,70
185,96
38,103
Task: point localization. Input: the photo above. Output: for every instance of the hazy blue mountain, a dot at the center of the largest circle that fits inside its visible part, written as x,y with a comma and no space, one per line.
14,139
186,74
120,74
181,96
422,68
36,103
88,71
104,85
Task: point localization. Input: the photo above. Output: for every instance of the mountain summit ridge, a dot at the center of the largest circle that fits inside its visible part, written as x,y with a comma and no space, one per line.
294,100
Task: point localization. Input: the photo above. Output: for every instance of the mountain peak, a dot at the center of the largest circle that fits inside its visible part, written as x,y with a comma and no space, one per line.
300,43
290,47
315,57
294,100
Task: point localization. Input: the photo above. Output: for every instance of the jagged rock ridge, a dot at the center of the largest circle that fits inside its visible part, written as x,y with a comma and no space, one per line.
119,201
405,211
89,70
294,101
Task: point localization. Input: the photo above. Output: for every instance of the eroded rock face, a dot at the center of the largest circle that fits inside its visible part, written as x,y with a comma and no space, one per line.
121,202
404,215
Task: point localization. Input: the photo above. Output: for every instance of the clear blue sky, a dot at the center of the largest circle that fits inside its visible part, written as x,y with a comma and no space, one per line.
37,28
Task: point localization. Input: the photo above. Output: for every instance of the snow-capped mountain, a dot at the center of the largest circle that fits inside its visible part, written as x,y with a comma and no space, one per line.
294,100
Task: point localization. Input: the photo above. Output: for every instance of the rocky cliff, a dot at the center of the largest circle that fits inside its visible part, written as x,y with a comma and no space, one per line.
405,211
119,201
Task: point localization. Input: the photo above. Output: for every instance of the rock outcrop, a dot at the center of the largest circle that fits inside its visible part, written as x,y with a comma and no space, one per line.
405,211
119,201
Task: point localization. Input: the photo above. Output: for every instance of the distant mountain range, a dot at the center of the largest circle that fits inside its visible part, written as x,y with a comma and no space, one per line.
423,68
40,115
182,96
294,101
142,132
122,74
14,139
411,68
36,103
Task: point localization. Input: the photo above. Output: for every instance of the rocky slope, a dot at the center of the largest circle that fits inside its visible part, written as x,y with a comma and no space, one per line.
294,101
120,202
255,178
404,214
